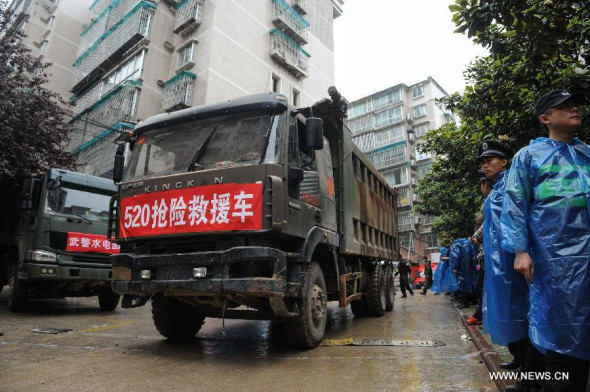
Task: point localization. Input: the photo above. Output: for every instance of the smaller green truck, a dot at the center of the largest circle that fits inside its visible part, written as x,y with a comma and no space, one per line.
53,240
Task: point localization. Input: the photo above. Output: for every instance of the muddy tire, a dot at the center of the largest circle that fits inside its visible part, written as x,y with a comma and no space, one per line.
307,330
390,285
175,320
107,299
376,292
18,293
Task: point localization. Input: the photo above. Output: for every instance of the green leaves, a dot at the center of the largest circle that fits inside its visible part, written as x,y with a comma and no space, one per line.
535,46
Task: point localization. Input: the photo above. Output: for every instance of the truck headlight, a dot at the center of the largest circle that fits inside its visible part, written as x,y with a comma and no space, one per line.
43,256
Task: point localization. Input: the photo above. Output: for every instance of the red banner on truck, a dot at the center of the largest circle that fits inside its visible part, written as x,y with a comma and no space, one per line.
220,207
82,242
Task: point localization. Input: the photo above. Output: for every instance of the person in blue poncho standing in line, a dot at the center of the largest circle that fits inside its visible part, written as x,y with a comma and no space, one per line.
443,264
546,223
506,303
462,258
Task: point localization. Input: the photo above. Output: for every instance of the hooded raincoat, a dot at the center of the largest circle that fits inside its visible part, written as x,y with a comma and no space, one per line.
546,212
448,279
506,291
440,270
462,258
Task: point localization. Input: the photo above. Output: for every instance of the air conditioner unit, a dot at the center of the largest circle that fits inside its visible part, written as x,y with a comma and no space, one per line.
416,220
414,181
409,118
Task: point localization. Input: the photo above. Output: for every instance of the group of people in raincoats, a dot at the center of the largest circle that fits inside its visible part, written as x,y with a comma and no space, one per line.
536,239
457,272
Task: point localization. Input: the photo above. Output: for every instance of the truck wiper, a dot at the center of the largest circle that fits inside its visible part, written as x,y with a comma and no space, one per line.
79,216
202,148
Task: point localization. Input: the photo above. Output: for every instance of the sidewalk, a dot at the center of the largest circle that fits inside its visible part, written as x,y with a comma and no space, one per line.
491,353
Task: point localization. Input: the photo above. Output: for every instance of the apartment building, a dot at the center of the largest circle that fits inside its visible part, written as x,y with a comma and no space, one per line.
388,126
129,59
51,31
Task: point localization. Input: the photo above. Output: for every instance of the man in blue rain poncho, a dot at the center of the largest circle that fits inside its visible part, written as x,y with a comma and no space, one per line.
506,294
546,222
443,264
462,258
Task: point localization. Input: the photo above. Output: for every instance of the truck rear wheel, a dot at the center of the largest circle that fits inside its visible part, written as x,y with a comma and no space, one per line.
376,292
107,299
390,298
18,293
175,320
307,330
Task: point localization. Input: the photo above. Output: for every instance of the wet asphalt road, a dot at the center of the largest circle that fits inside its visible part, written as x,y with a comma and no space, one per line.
122,351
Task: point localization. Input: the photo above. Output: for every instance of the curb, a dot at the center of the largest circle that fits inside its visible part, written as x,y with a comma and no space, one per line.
488,354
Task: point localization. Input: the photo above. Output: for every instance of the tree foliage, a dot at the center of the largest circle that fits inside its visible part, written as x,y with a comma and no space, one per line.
535,46
33,130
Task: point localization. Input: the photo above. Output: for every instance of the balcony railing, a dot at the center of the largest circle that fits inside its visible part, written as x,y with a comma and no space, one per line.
301,6
117,106
289,21
287,52
178,92
189,14
97,156
130,30
99,6
23,8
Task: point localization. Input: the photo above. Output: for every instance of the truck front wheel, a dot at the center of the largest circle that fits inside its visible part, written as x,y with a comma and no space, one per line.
175,320
107,299
307,330
18,293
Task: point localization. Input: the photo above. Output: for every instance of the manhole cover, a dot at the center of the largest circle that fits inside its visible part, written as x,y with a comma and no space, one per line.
382,342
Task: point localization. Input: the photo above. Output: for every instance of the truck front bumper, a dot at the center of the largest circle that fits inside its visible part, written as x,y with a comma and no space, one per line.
251,271
46,271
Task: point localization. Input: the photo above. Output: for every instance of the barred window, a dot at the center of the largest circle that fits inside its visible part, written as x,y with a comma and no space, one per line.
422,171
421,130
388,157
403,197
430,240
405,220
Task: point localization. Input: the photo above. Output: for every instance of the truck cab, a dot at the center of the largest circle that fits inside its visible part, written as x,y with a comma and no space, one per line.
232,210
53,241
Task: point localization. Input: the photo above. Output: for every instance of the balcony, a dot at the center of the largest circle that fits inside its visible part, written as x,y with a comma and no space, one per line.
301,6
289,21
128,32
49,5
99,6
117,106
189,14
97,156
286,51
178,92
21,11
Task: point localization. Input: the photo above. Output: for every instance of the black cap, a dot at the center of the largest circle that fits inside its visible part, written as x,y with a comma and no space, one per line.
493,148
555,98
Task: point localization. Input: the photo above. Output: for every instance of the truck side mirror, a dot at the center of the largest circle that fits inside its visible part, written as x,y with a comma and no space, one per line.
26,193
314,133
119,164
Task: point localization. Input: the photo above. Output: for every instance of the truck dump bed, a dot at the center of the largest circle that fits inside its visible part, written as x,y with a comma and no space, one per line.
366,204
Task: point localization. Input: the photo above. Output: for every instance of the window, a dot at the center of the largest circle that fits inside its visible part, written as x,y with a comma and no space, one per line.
397,176
423,155
404,240
423,171
131,69
307,190
417,91
23,26
388,116
360,108
361,124
420,110
403,197
187,55
421,130
275,83
405,220
430,240
389,157
295,99
386,98
428,219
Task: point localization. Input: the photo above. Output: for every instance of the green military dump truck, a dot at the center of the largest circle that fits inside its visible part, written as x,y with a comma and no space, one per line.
252,209
53,241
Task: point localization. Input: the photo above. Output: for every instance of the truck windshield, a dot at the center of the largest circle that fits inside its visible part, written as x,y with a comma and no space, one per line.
84,204
206,144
